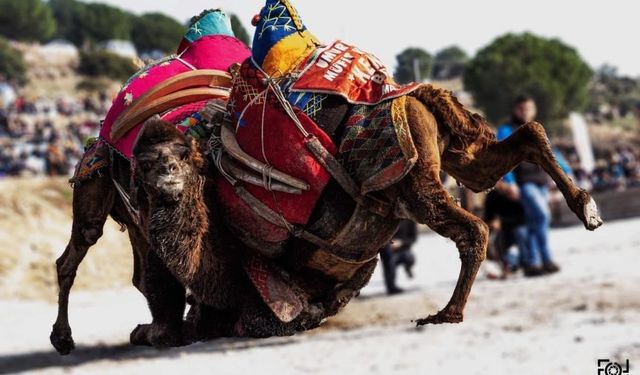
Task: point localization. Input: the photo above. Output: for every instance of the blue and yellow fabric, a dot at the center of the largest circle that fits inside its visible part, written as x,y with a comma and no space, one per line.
281,40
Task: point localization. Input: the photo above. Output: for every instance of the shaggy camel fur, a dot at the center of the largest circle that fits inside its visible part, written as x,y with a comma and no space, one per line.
448,138
93,201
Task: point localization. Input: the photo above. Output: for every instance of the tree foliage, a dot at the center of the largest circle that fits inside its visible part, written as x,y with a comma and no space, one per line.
12,66
26,20
515,64
90,23
449,63
413,64
156,31
239,30
105,64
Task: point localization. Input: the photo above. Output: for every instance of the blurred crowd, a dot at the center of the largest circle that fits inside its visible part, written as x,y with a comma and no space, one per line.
616,169
45,137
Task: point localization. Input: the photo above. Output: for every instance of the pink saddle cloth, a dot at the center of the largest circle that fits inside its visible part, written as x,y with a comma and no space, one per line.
210,52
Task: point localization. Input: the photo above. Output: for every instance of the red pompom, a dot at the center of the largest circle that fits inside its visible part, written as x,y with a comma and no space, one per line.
255,20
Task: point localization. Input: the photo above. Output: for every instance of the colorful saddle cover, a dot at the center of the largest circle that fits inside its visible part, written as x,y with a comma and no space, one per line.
265,132
376,147
209,44
345,70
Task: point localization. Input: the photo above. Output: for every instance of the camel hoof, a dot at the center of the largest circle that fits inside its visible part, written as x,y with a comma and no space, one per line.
62,340
440,318
156,336
139,335
592,218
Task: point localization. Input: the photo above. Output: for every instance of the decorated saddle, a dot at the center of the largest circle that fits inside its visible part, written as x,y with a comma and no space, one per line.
276,96
177,87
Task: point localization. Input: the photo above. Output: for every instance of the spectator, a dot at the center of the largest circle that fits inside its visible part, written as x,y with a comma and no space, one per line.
532,189
397,253
505,216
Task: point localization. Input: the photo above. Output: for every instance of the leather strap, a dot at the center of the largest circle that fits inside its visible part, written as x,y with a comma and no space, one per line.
276,219
337,171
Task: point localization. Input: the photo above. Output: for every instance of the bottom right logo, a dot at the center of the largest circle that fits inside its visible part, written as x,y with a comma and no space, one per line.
607,367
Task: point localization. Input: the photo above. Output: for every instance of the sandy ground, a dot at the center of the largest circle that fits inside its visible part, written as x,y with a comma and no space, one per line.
555,325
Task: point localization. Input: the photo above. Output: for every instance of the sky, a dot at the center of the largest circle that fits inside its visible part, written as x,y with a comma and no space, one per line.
603,32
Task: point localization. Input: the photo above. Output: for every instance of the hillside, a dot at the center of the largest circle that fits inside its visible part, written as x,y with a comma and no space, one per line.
35,224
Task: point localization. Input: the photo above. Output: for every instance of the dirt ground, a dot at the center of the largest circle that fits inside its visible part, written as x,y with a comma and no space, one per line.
555,325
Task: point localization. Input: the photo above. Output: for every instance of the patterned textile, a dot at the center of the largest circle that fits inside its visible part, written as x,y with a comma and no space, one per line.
96,157
345,70
377,149
278,143
281,40
209,51
272,287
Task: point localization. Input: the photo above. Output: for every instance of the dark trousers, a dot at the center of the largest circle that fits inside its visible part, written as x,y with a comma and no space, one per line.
390,262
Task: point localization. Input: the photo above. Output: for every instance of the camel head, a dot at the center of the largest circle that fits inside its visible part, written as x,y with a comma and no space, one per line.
166,160
281,39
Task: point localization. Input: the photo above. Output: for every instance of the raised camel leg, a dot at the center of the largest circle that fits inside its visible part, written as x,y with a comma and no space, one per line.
425,200
92,202
528,143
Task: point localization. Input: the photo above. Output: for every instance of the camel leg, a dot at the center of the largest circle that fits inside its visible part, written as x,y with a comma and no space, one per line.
166,298
423,198
427,201
528,143
140,247
92,202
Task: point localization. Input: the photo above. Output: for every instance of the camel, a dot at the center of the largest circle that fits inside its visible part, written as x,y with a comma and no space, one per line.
109,193
448,138
207,259
195,245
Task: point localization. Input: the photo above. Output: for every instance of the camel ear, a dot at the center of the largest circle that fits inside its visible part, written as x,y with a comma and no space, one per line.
196,156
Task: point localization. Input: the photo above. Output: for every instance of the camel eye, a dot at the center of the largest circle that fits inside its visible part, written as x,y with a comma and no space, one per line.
144,164
183,151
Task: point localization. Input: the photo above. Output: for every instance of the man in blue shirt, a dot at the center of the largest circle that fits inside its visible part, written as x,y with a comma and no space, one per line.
529,183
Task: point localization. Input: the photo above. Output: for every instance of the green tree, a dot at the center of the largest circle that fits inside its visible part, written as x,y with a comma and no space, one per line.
514,64
449,63
26,20
69,15
12,67
105,64
83,23
413,64
153,31
239,30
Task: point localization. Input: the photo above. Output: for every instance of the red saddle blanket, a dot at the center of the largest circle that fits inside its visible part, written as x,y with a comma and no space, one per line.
267,133
345,70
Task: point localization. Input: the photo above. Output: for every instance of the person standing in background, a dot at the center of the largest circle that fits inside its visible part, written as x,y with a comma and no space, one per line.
529,183
398,252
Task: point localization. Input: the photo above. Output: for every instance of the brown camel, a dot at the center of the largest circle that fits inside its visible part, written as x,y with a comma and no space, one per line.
448,138
206,258
199,250
94,199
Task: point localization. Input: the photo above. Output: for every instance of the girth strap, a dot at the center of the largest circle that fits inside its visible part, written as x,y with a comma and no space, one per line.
340,174
276,219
